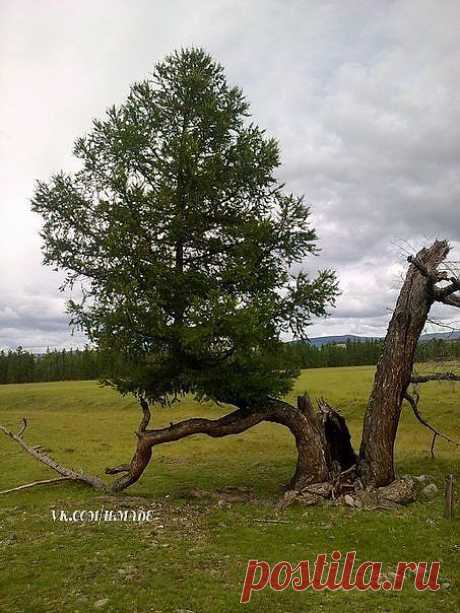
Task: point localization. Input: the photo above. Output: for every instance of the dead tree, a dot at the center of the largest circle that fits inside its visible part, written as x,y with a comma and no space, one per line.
394,369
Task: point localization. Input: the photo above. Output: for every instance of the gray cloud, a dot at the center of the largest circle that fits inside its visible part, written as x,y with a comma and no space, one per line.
363,98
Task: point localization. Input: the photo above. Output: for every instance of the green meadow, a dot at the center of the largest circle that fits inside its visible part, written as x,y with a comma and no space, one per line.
192,556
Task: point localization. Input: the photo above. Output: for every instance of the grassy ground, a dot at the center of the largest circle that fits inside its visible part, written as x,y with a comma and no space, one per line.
193,555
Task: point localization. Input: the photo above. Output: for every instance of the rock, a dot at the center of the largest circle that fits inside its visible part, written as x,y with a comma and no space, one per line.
101,603
196,492
401,491
445,585
421,478
366,499
348,500
309,500
358,503
309,495
430,490
391,575
289,497
319,489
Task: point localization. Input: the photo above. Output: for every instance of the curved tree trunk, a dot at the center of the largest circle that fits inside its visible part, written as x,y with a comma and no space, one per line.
314,457
395,365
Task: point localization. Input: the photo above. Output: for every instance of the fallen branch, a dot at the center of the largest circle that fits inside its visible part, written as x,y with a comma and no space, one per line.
272,521
67,474
34,483
443,376
413,401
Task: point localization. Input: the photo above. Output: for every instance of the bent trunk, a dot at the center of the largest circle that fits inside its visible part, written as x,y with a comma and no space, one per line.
395,365
314,458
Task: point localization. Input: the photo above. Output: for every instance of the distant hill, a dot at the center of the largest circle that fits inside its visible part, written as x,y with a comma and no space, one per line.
444,336
344,338
341,339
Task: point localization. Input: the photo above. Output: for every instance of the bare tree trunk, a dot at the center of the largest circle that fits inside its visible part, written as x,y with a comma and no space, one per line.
395,365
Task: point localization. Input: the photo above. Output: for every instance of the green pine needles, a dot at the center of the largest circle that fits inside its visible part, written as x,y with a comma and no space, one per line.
184,241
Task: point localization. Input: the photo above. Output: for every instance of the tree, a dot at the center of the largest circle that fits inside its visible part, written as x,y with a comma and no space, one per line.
424,285
323,441
184,242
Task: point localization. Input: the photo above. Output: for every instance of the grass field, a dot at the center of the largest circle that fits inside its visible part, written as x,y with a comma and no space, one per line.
193,555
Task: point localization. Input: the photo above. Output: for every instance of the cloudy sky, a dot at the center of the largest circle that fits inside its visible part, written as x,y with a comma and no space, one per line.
363,96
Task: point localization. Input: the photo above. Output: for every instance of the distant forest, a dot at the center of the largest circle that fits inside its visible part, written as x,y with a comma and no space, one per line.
22,366
367,353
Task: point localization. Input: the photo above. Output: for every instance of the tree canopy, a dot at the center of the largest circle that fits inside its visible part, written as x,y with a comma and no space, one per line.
187,247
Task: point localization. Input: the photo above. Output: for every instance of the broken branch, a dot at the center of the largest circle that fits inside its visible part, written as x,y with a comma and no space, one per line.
65,472
34,483
443,376
413,401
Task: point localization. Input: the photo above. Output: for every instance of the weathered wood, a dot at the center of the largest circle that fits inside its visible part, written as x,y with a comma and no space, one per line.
340,453
394,368
68,473
438,376
449,497
26,486
413,400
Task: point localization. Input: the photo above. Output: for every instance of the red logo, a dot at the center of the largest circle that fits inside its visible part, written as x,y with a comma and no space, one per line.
336,574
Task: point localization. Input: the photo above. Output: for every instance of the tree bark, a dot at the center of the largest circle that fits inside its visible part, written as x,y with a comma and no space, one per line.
314,459
395,365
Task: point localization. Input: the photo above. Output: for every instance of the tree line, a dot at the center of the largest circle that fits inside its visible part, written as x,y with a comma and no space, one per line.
22,366
366,353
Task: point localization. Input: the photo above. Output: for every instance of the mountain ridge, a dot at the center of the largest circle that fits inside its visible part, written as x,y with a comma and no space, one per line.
339,339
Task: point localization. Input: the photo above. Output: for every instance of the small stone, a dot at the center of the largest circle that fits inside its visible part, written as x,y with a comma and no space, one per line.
421,478
348,500
358,503
445,585
309,500
101,603
288,498
319,489
430,490
199,493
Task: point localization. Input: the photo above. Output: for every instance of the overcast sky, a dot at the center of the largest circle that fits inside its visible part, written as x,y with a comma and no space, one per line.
363,96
